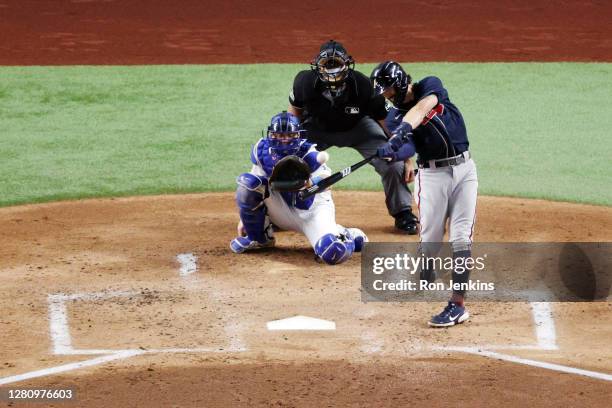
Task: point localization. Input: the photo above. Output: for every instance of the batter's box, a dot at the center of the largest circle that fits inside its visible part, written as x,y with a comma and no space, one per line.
98,323
402,329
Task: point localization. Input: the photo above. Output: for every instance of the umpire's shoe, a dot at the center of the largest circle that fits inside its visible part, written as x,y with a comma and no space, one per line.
407,222
243,244
451,315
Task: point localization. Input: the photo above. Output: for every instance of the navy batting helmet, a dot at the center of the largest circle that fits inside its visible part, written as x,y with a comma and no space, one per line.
390,74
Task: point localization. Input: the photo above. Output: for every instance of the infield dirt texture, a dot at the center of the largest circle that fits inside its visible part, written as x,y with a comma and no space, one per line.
95,296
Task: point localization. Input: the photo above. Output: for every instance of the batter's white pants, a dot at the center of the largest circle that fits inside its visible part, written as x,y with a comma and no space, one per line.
447,193
318,220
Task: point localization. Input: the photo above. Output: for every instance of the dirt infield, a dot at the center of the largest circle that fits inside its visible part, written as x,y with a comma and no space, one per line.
84,280
67,32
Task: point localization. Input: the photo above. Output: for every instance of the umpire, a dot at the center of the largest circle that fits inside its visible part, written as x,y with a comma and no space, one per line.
337,107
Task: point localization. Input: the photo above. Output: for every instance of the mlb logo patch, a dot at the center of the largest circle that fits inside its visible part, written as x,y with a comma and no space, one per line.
351,110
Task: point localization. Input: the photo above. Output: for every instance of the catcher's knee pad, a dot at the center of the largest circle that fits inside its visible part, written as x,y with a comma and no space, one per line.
251,192
334,249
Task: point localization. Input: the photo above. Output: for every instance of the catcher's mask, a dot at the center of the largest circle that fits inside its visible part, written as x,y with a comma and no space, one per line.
390,74
333,66
284,134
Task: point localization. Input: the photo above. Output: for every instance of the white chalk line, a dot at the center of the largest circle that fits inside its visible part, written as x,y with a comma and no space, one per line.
544,325
188,262
69,367
58,325
533,363
59,329
114,355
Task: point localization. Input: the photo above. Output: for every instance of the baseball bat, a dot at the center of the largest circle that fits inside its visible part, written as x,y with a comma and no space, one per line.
333,179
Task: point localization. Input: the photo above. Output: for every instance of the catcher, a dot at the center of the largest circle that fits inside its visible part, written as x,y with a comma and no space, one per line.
284,163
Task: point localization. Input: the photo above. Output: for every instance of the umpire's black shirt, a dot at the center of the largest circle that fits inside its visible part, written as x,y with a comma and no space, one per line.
336,114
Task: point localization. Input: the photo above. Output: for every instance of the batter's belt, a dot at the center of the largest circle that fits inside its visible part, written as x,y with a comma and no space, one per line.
449,161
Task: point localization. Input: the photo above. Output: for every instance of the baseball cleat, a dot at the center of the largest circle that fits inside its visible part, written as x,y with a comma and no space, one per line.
407,222
451,315
359,238
243,244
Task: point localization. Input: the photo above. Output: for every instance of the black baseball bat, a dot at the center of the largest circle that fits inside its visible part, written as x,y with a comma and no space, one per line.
333,179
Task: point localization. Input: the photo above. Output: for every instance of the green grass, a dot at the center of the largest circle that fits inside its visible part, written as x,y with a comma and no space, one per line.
536,130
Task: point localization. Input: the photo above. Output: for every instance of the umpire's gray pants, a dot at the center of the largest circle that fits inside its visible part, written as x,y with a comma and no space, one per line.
365,137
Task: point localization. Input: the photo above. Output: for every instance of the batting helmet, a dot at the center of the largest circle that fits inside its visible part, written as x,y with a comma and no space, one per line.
390,74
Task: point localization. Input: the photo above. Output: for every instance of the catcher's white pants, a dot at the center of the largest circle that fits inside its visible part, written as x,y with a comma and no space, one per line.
318,220
447,193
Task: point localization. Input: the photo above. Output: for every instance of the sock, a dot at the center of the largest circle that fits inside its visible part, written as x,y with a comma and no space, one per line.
457,299
460,277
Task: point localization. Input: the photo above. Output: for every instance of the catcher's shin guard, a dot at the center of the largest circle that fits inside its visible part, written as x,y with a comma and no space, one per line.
250,195
334,249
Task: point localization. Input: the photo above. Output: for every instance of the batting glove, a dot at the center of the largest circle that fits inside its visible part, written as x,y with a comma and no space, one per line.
386,152
400,138
401,135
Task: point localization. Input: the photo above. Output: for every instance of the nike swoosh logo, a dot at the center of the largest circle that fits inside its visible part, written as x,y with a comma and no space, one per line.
454,317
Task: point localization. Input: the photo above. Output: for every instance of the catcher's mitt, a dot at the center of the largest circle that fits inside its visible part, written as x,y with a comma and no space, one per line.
291,173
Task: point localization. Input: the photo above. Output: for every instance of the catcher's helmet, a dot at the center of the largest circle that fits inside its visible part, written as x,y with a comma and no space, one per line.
284,134
333,66
391,74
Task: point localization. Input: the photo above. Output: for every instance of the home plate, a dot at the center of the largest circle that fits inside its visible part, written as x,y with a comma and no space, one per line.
301,323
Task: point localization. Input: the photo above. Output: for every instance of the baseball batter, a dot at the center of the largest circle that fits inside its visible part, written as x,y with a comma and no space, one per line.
425,120
260,205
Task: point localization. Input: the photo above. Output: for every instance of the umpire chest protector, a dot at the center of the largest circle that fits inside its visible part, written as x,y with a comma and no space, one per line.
340,113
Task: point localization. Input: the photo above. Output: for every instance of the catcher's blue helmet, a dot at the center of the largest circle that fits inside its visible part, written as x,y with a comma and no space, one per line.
284,134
